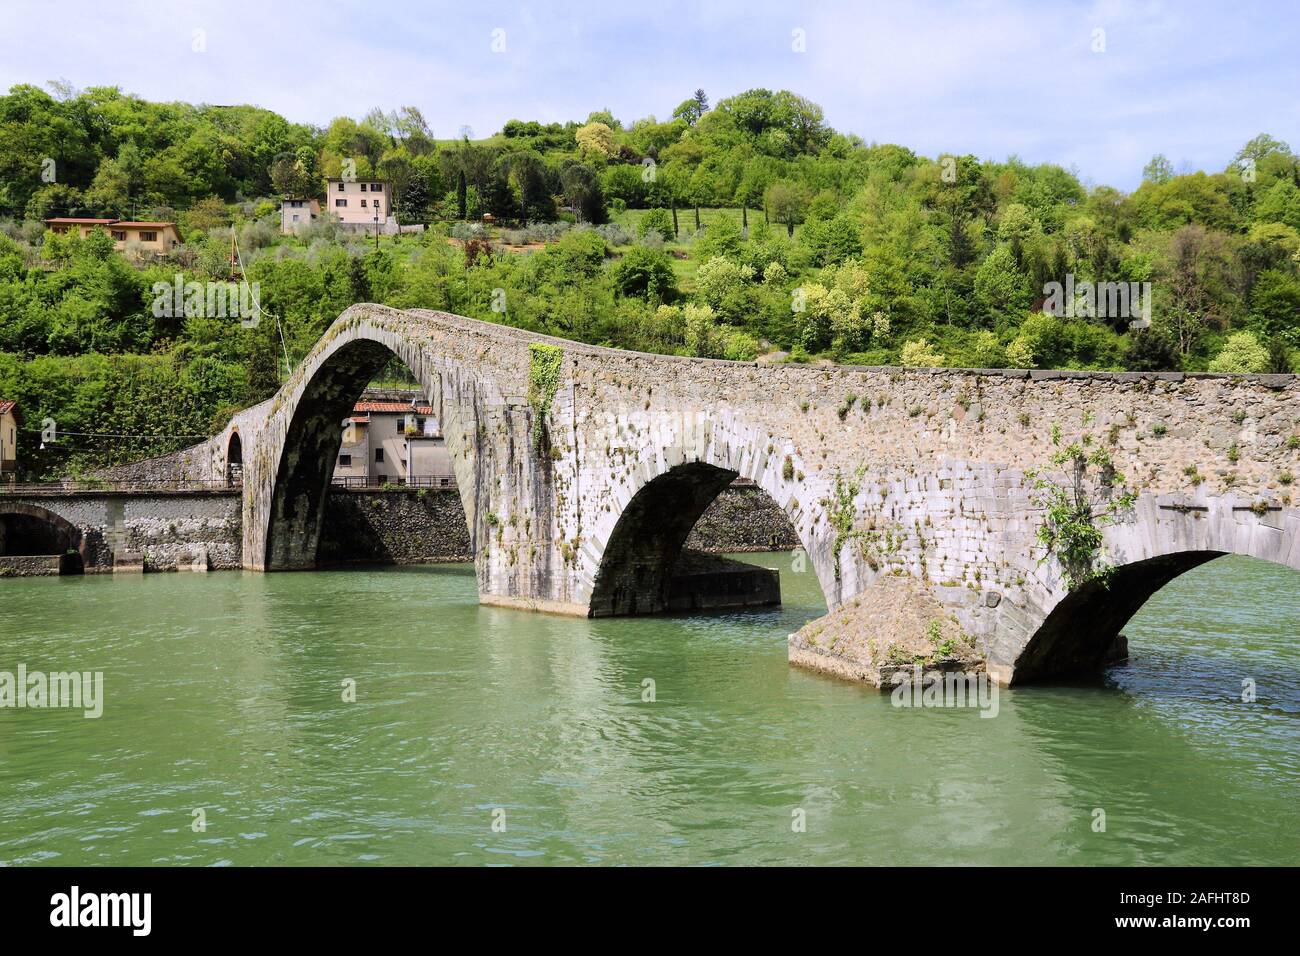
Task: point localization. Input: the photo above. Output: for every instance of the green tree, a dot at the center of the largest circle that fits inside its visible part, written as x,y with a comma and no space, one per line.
1159,170
1241,353
1001,287
645,272
786,203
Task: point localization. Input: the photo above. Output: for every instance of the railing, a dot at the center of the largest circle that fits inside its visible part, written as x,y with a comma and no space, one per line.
137,485
374,481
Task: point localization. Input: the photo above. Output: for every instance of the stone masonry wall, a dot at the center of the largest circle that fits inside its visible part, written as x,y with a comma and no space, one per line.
170,530
28,566
414,526
409,526
398,527
743,518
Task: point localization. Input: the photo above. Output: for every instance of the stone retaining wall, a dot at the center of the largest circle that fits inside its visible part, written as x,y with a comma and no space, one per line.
427,525
743,518
28,566
372,526
165,531
179,531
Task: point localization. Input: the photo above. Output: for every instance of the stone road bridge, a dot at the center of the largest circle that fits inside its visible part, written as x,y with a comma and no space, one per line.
579,497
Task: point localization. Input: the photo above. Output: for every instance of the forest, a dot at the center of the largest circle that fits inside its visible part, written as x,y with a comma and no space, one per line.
745,228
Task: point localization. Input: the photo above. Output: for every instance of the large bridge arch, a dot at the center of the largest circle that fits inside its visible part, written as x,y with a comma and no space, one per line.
287,476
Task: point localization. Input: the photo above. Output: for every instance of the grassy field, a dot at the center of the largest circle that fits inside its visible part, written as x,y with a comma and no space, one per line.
686,268
630,219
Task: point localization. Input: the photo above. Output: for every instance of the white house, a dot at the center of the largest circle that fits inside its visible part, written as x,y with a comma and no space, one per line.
296,213
392,437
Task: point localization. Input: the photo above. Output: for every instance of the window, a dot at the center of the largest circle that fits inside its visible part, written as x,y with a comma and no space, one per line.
379,454
118,236
363,187
295,217
376,187
363,204
340,202
345,461
148,237
340,186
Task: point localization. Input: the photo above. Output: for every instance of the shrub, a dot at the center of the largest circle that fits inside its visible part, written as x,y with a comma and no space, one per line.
719,280
543,231
657,220
645,272
918,353
722,238
1241,353
478,251
614,234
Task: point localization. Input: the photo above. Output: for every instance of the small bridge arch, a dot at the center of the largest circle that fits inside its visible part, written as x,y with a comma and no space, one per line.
675,467
234,470
1167,536
28,529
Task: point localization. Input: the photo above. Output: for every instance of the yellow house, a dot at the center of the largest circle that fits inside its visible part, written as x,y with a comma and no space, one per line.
160,237
155,237
10,420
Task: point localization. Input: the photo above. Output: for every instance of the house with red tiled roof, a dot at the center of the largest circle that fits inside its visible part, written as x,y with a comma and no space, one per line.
155,237
10,421
392,437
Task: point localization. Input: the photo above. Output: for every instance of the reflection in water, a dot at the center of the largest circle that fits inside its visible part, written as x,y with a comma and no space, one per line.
225,692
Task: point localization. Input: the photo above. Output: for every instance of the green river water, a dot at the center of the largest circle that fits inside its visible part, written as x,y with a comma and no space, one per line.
224,692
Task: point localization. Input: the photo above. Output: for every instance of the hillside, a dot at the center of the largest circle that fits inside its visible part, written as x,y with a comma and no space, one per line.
736,229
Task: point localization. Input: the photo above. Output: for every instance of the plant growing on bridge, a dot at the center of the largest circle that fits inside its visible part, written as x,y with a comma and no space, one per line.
1075,518
842,513
544,364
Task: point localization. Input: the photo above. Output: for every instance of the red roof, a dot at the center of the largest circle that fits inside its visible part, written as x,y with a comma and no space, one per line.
77,220
366,406
6,406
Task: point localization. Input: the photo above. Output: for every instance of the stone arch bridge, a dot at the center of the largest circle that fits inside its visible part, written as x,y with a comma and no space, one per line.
582,470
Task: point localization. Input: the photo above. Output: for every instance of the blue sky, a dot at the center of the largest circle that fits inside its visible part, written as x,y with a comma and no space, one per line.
1193,80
